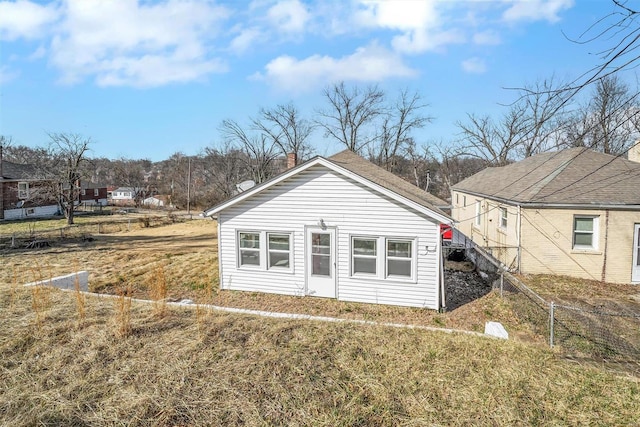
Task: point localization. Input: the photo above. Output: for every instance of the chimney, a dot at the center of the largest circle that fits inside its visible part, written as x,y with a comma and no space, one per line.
292,159
634,152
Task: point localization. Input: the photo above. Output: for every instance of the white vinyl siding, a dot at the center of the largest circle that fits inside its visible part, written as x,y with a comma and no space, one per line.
354,210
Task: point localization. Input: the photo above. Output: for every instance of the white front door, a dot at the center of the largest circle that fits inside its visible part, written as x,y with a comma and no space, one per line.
635,271
321,262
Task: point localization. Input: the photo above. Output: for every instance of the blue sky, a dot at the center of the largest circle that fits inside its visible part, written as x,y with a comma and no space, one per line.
145,79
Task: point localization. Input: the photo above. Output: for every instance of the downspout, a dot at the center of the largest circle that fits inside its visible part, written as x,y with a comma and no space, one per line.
443,302
606,241
1,187
519,238
218,220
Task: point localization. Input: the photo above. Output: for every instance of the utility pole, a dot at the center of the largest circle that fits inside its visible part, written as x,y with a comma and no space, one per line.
189,189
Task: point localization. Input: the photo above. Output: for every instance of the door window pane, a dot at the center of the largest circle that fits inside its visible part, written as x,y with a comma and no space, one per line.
321,254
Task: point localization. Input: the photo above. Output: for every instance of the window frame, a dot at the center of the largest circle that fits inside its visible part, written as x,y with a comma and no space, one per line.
478,219
410,258
362,256
289,251
382,258
504,213
239,249
96,192
595,226
23,194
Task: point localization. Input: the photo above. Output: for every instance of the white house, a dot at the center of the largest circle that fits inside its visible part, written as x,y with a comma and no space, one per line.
337,227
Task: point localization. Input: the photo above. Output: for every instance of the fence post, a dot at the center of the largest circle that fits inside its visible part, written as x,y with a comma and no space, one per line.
501,283
129,225
551,315
13,240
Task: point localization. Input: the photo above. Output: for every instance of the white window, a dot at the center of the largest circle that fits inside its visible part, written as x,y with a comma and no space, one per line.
364,255
464,201
478,213
23,190
399,258
279,250
382,257
84,191
95,192
503,217
585,232
249,249
457,199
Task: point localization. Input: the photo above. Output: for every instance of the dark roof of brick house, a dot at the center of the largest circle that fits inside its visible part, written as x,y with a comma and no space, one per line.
572,176
14,171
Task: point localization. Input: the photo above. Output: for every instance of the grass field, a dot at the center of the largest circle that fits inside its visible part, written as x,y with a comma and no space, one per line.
69,359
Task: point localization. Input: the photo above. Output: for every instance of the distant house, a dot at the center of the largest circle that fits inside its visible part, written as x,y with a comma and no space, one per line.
93,194
123,196
337,227
157,201
23,194
574,212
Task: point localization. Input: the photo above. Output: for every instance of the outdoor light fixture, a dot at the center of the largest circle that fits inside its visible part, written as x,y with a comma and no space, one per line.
322,224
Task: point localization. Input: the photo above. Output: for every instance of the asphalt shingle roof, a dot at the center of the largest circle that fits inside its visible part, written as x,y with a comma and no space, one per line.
12,170
573,176
374,173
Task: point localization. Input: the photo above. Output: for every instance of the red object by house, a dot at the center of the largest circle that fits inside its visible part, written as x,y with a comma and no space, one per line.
446,232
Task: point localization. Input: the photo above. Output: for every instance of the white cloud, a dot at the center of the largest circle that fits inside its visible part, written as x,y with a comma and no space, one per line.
247,37
6,75
488,37
474,65
367,64
288,16
127,43
39,53
24,19
536,10
419,22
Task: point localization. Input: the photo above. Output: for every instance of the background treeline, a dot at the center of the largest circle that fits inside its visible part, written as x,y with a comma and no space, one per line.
386,128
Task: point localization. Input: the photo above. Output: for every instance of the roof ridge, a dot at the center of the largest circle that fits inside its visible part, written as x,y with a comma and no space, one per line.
540,185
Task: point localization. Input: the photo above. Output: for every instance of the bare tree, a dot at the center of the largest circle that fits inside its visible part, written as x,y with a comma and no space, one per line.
394,136
350,112
259,151
66,165
288,131
607,122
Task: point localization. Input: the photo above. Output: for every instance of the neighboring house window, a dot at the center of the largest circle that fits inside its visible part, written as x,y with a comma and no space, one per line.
399,258
585,232
249,249
84,192
396,259
478,212
464,201
279,250
364,255
95,192
23,190
503,217
457,199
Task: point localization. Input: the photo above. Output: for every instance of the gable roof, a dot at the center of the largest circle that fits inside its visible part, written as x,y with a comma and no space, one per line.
12,170
577,176
353,166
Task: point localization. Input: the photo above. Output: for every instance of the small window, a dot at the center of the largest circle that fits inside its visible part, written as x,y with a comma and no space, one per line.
464,201
365,255
279,251
399,258
95,192
478,213
457,199
585,229
503,217
23,190
249,249
84,191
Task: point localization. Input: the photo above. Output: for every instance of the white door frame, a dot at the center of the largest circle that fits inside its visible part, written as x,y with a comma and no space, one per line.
320,285
635,266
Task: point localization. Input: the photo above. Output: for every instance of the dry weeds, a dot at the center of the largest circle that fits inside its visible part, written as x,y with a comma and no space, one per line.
245,370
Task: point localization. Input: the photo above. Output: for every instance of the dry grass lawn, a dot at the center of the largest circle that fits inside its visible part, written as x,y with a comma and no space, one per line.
69,359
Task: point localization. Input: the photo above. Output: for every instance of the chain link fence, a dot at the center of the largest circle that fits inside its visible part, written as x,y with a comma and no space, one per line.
577,331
